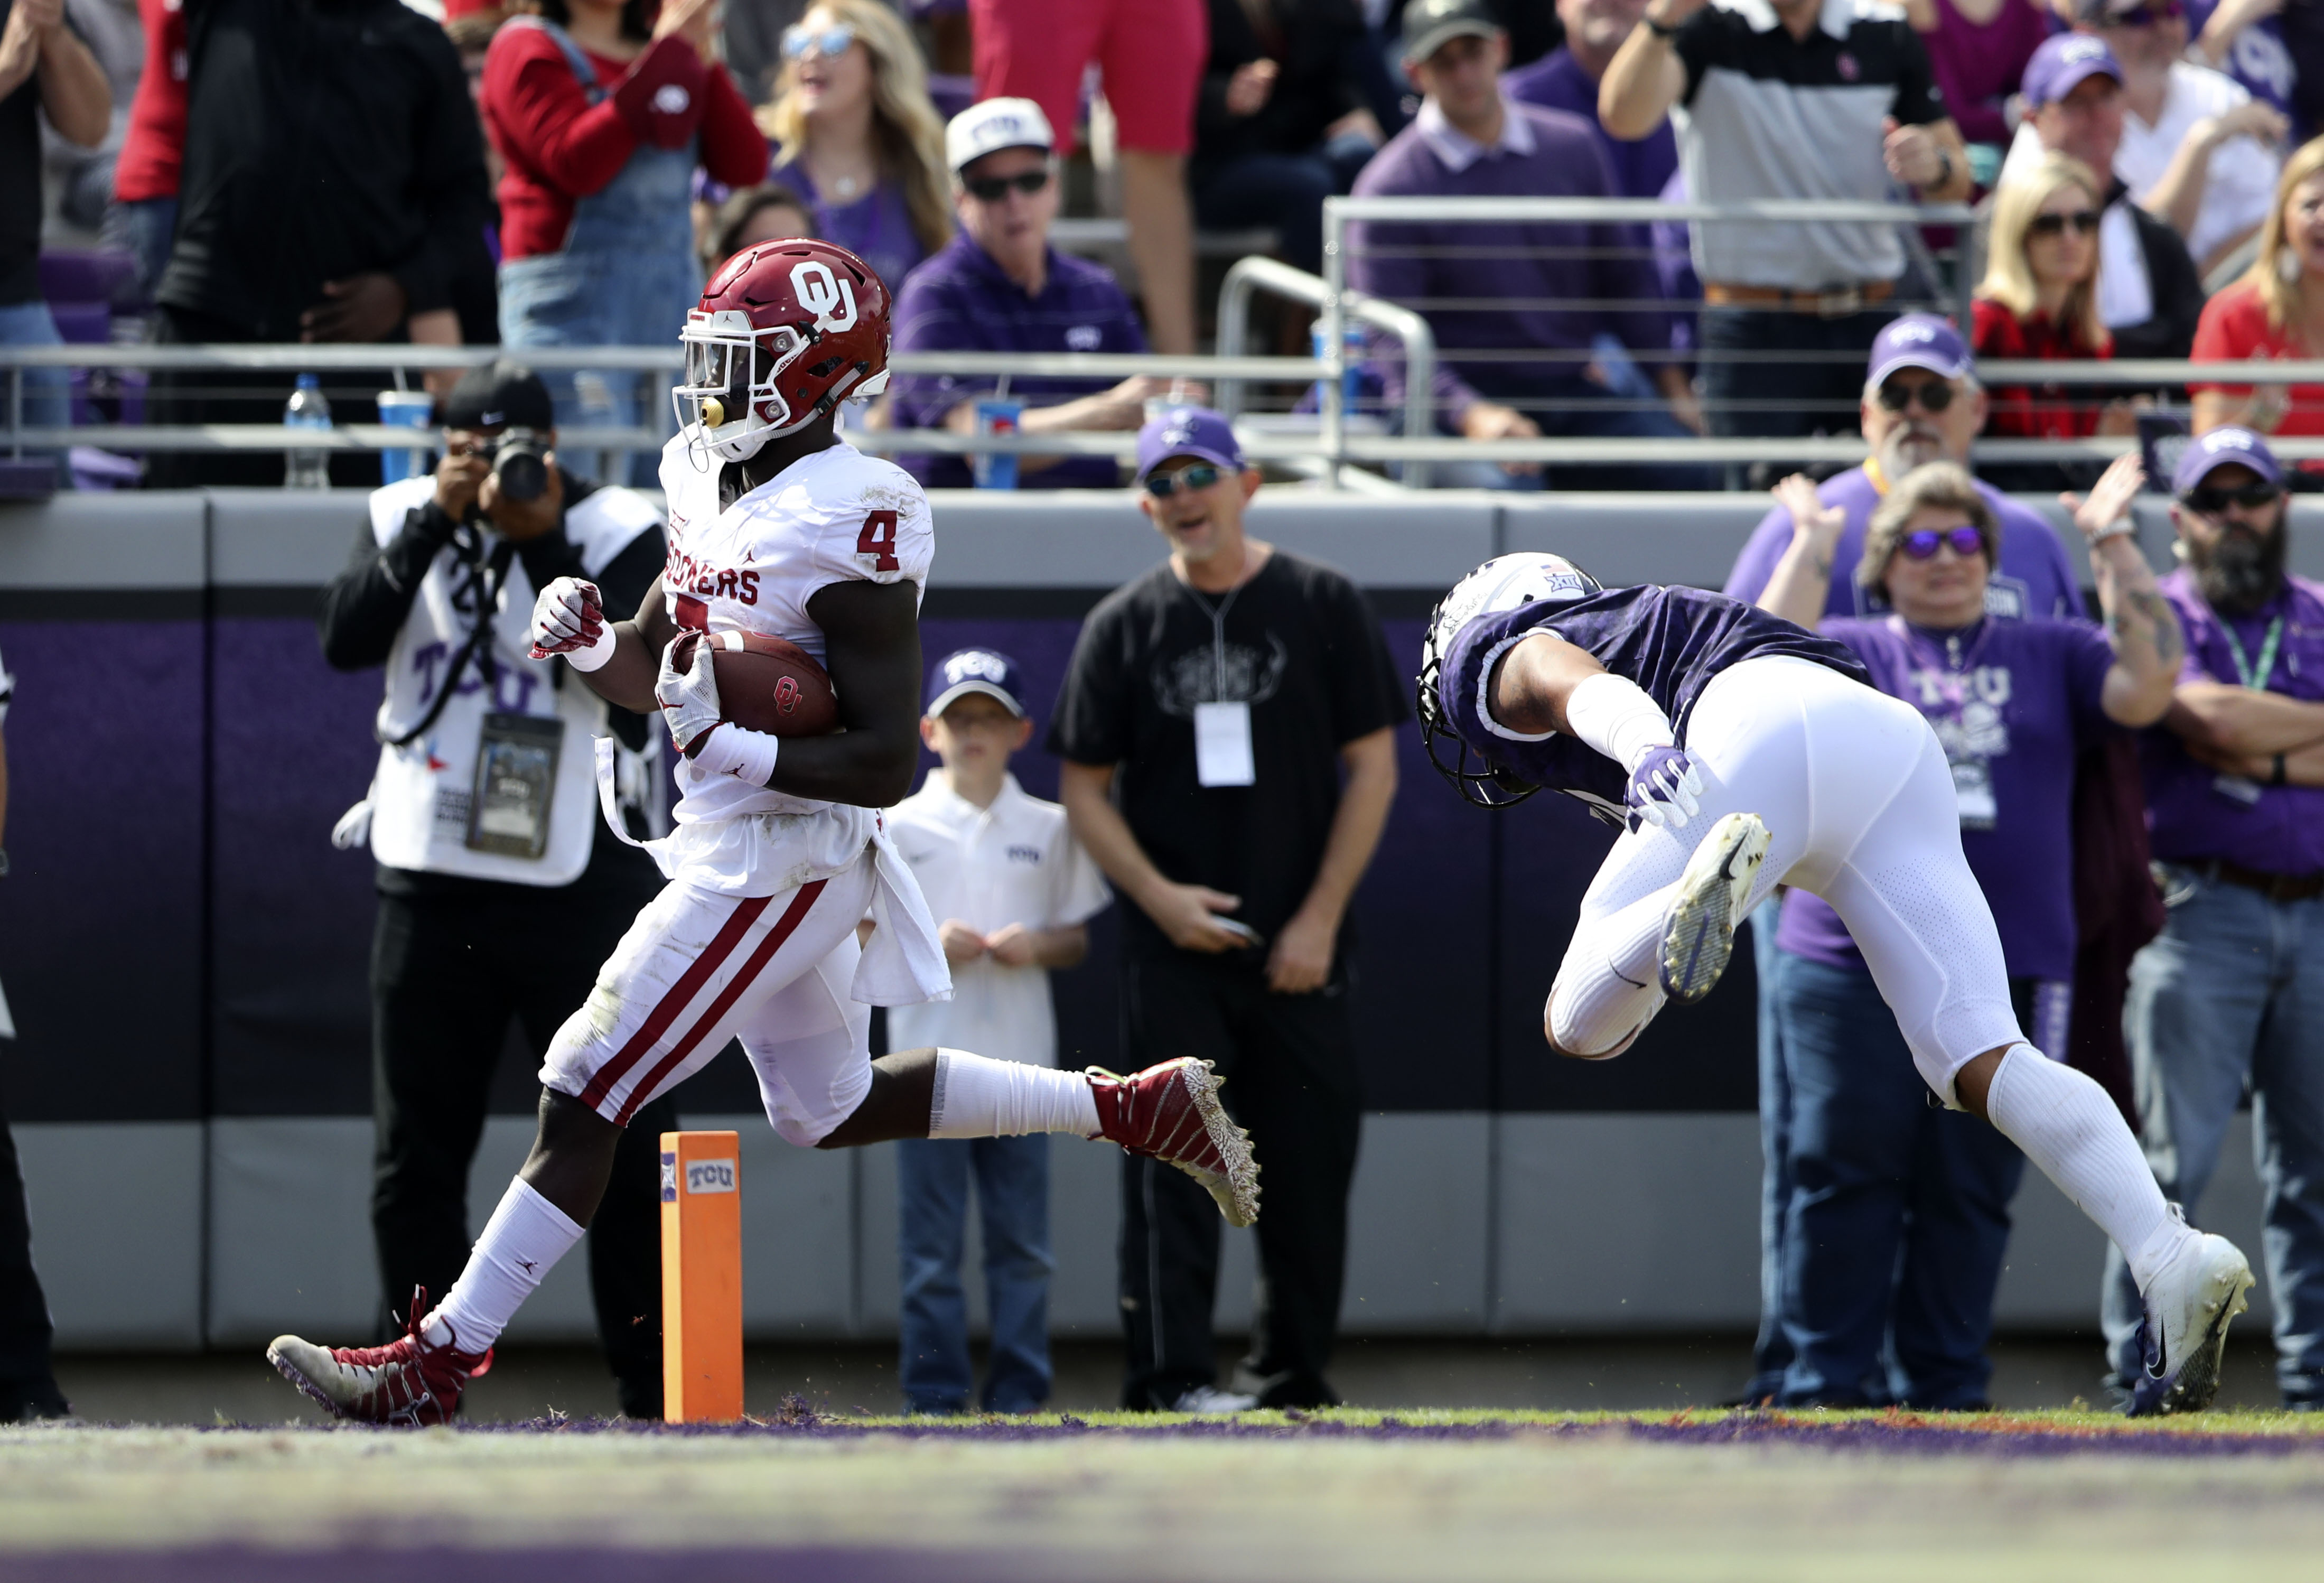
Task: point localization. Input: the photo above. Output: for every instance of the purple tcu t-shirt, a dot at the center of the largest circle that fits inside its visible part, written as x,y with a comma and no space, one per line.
2034,577
2192,816
2012,702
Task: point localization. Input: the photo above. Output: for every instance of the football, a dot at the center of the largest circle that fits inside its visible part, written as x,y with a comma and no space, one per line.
768,683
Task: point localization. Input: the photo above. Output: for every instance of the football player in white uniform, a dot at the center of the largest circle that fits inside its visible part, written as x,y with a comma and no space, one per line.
778,527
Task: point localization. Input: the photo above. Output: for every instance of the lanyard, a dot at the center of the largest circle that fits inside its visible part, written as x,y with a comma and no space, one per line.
1218,632
2266,654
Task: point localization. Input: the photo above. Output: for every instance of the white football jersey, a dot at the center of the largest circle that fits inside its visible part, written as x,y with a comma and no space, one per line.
753,567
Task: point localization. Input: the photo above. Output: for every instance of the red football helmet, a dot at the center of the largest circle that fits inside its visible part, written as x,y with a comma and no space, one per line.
785,330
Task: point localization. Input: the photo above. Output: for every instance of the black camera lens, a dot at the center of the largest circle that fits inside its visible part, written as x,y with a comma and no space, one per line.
520,463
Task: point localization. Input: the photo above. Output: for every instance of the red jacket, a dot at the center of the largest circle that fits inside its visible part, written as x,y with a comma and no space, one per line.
559,147
2049,411
155,142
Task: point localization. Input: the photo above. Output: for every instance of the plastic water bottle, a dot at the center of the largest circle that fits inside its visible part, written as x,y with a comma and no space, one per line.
307,409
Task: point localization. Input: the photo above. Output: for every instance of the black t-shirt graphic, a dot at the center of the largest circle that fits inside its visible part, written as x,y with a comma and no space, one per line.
1303,649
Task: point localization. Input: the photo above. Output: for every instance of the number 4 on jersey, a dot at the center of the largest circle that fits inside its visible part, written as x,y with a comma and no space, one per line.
878,540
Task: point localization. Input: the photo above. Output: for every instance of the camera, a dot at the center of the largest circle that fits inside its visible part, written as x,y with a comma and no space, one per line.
520,463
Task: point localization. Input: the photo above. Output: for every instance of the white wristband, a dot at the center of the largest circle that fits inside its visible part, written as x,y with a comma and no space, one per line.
1615,716
739,752
594,656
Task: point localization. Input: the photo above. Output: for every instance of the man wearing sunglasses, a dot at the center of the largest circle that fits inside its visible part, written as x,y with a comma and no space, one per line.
2225,996
1211,712
1921,404
999,286
2196,148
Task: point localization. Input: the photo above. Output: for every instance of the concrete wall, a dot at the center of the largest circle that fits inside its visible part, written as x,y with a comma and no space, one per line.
184,955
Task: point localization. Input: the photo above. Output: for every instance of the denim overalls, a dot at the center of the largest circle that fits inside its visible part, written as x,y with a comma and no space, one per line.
625,277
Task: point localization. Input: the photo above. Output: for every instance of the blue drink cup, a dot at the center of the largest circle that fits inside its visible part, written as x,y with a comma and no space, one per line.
996,469
404,409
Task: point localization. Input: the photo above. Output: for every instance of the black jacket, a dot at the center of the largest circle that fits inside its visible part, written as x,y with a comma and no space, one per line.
2176,286
324,139
1313,42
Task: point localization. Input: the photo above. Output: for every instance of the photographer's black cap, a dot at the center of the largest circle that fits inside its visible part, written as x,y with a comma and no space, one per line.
497,395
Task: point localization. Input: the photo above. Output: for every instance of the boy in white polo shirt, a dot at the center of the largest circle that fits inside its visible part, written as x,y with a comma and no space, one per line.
1013,891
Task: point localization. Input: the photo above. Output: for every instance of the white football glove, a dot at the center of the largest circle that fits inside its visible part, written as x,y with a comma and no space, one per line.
570,619
688,698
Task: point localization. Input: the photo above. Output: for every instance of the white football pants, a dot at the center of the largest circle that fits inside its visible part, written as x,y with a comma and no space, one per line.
1859,806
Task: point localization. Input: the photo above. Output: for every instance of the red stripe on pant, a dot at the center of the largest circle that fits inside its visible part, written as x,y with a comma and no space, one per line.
727,996
665,1013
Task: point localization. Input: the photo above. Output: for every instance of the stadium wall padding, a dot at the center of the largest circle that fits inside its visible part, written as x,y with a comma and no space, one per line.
185,953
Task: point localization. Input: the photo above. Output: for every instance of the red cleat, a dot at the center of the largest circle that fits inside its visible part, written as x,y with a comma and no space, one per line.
1172,1113
406,1382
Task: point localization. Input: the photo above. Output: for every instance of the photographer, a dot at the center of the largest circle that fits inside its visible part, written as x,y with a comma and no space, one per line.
483,801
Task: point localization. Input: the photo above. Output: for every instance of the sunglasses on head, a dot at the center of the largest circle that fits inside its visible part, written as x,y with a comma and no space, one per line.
830,43
1923,546
993,189
2085,221
2207,500
1201,476
1935,396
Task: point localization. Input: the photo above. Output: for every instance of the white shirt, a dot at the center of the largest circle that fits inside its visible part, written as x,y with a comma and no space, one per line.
2240,187
1015,862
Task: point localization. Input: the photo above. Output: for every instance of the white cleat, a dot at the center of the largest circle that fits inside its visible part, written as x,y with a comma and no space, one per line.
1212,1401
1712,894
2184,1334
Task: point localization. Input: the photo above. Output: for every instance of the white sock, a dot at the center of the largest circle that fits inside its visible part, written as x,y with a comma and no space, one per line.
526,1236
2069,1128
977,1097
1593,1013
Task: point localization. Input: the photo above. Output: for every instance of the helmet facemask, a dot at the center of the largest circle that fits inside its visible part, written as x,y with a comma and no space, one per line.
729,400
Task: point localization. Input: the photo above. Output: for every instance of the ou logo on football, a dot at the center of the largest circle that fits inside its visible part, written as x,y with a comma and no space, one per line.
830,300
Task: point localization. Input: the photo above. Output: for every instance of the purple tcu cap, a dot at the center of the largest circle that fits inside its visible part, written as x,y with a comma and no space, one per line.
1918,340
986,671
2217,450
1187,431
2060,65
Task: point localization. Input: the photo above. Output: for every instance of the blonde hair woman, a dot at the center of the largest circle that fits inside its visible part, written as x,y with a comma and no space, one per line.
2039,300
855,135
2275,312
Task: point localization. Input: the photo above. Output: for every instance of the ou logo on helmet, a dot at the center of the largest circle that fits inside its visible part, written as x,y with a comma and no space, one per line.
820,292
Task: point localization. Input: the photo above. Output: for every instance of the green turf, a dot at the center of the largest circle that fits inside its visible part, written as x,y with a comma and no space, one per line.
1342,1495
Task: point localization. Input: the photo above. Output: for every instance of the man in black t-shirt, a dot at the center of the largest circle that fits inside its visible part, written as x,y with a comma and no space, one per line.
1211,709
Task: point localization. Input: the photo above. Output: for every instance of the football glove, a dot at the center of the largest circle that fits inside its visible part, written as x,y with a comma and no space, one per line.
570,619
688,697
1665,789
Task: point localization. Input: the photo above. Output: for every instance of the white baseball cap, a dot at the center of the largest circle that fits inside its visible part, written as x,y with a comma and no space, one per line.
990,125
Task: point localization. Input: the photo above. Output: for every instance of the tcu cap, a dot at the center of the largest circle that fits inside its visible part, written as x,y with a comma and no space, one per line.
986,671
2061,65
2219,448
990,125
1195,432
1918,340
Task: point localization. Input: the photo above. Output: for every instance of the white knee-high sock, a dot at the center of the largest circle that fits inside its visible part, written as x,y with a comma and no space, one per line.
977,1097
526,1234
2069,1128
1592,1012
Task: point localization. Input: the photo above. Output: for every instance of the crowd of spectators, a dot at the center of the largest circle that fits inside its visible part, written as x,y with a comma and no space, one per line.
2130,157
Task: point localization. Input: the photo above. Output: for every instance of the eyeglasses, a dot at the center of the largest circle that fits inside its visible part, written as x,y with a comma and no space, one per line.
1923,546
1935,396
830,43
993,189
2204,500
1201,476
2146,15
2085,222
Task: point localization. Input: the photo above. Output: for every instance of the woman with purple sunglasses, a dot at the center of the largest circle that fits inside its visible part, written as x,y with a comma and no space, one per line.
1891,1196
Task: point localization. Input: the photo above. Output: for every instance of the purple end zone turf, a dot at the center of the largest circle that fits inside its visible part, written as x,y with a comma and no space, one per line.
493,1564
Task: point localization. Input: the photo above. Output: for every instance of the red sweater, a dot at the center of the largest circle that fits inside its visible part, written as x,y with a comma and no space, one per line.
2052,410
559,147
154,141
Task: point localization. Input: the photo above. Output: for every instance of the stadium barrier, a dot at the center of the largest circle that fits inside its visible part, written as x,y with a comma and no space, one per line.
185,954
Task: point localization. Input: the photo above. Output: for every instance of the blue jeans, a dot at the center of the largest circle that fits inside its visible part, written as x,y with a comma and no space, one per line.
1899,1212
1284,191
2232,991
148,228
1012,1193
48,392
1771,1351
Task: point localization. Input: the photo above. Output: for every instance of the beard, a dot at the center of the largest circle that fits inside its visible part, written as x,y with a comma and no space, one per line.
2242,573
1907,445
